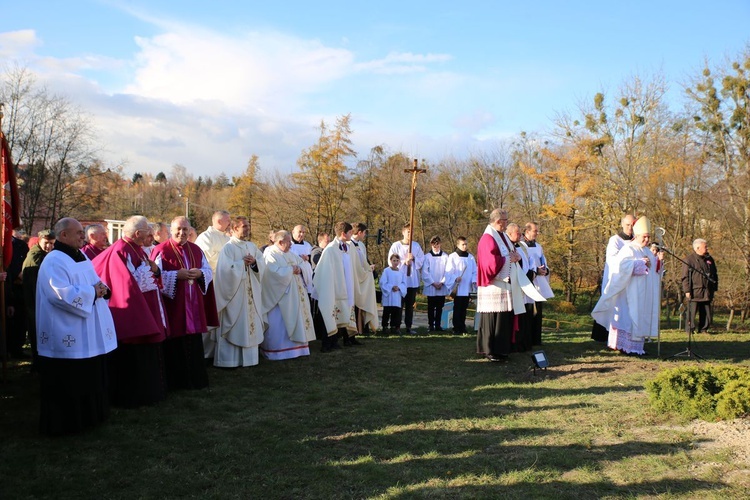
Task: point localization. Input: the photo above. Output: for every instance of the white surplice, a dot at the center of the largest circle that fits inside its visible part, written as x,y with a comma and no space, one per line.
401,249
70,323
464,268
434,271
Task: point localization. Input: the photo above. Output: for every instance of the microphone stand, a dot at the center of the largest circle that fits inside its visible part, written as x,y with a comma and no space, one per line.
688,351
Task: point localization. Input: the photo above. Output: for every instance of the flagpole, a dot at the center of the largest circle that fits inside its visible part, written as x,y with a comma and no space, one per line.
3,329
10,221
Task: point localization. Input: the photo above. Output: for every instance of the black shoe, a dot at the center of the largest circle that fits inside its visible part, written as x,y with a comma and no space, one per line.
353,341
335,346
411,332
438,328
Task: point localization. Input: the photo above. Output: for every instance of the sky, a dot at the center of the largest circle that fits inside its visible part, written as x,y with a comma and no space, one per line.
209,84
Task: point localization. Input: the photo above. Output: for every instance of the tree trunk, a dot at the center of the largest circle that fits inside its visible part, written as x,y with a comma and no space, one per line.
731,317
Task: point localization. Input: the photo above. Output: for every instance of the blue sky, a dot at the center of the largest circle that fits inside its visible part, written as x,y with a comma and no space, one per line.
208,84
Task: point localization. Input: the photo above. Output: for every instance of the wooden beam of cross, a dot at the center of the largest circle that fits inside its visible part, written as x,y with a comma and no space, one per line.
413,171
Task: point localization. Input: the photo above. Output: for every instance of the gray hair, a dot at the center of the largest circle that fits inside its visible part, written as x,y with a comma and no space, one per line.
218,215
498,214
281,236
93,228
697,242
133,224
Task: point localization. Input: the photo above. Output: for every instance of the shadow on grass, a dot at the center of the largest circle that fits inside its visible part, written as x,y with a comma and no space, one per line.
371,464
556,490
399,417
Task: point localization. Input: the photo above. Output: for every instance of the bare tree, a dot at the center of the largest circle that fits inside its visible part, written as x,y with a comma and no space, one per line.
49,139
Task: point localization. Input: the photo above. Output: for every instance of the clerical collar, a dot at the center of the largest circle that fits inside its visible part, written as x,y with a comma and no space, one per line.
516,245
531,244
71,252
436,254
462,253
300,242
354,242
624,236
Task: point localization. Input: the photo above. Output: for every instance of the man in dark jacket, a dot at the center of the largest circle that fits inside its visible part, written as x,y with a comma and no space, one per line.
699,283
30,271
14,303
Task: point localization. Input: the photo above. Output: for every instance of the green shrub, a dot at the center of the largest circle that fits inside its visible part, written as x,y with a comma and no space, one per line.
734,400
707,392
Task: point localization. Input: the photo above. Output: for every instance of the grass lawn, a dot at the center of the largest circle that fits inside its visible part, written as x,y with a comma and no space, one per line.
401,417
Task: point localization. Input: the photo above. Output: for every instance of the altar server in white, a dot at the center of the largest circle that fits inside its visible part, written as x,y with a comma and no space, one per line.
393,290
463,266
303,249
437,283
538,265
411,261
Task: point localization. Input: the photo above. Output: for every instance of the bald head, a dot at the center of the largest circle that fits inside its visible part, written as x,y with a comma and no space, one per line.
299,232
70,232
180,229
627,224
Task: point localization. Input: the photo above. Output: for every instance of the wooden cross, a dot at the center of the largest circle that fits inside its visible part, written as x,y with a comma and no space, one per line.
413,171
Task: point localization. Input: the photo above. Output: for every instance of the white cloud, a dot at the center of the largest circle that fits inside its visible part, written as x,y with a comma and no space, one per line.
210,100
402,63
18,44
268,72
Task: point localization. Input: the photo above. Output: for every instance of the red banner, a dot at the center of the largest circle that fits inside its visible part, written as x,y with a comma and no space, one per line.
11,205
